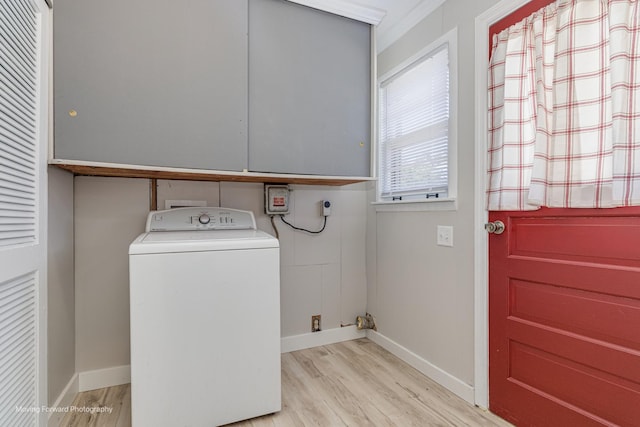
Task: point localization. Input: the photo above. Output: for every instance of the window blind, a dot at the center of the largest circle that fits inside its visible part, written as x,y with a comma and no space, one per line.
19,45
414,129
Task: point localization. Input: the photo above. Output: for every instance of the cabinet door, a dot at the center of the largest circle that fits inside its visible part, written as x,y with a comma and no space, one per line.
148,82
309,91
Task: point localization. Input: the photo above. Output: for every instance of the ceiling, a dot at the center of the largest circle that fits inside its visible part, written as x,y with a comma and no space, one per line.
396,10
392,17
400,16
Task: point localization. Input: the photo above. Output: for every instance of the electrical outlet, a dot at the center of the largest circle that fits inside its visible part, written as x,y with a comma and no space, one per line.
326,208
445,235
315,323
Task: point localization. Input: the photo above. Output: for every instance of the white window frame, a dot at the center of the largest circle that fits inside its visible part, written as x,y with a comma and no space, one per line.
436,204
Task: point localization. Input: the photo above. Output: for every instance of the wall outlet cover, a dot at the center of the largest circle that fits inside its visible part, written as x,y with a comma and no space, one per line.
445,235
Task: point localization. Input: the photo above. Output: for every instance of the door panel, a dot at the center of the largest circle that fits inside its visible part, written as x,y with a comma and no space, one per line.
596,239
24,77
564,317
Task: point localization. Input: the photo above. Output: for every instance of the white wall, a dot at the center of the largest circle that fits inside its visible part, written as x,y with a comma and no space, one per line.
421,294
321,274
61,296
325,273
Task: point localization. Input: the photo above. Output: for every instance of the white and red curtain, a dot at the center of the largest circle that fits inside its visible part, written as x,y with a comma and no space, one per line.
564,108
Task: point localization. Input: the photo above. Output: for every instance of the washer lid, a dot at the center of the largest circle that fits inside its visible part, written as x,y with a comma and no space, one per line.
157,242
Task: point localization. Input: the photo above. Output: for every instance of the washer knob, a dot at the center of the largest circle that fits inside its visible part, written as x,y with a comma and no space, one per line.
204,219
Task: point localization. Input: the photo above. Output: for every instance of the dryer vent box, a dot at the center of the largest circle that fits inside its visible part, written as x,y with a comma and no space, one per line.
276,199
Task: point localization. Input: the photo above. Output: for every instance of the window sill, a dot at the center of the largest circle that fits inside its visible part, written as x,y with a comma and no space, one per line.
417,205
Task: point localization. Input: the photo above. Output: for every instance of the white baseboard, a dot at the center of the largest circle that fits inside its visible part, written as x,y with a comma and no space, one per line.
101,378
65,399
455,385
316,339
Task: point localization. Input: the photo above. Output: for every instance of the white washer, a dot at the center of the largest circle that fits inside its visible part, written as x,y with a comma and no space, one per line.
205,319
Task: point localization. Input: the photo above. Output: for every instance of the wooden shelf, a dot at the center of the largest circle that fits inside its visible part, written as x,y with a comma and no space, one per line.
134,171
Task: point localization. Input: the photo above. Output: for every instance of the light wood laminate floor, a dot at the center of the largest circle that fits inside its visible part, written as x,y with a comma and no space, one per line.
354,383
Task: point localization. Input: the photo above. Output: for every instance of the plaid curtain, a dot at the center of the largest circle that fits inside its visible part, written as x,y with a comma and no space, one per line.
564,109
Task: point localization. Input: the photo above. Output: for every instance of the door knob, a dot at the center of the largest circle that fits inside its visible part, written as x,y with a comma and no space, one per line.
495,227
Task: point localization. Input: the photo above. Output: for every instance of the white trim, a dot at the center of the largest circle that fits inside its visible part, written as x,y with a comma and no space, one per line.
481,241
450,37
101,378
347,8
410,20
316,339
373,136
453,384
44,91
64,400
50,82
445,204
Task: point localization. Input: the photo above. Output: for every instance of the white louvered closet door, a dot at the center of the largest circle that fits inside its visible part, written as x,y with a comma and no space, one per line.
24,64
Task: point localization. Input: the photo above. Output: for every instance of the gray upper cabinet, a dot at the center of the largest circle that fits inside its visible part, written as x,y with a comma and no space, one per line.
227,85
148,82
309,91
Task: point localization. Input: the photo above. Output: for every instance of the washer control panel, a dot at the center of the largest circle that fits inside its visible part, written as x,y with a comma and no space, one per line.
200,218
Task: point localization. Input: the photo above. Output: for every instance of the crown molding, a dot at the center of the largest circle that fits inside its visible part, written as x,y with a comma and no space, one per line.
347,8
389,36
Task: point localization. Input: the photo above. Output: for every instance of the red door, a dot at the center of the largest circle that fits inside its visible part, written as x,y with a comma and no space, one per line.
564,317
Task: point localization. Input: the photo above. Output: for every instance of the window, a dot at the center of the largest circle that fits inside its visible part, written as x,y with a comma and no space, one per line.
415,127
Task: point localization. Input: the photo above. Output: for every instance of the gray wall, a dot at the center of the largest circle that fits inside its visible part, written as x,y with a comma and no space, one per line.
109,214
421,294
61,294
